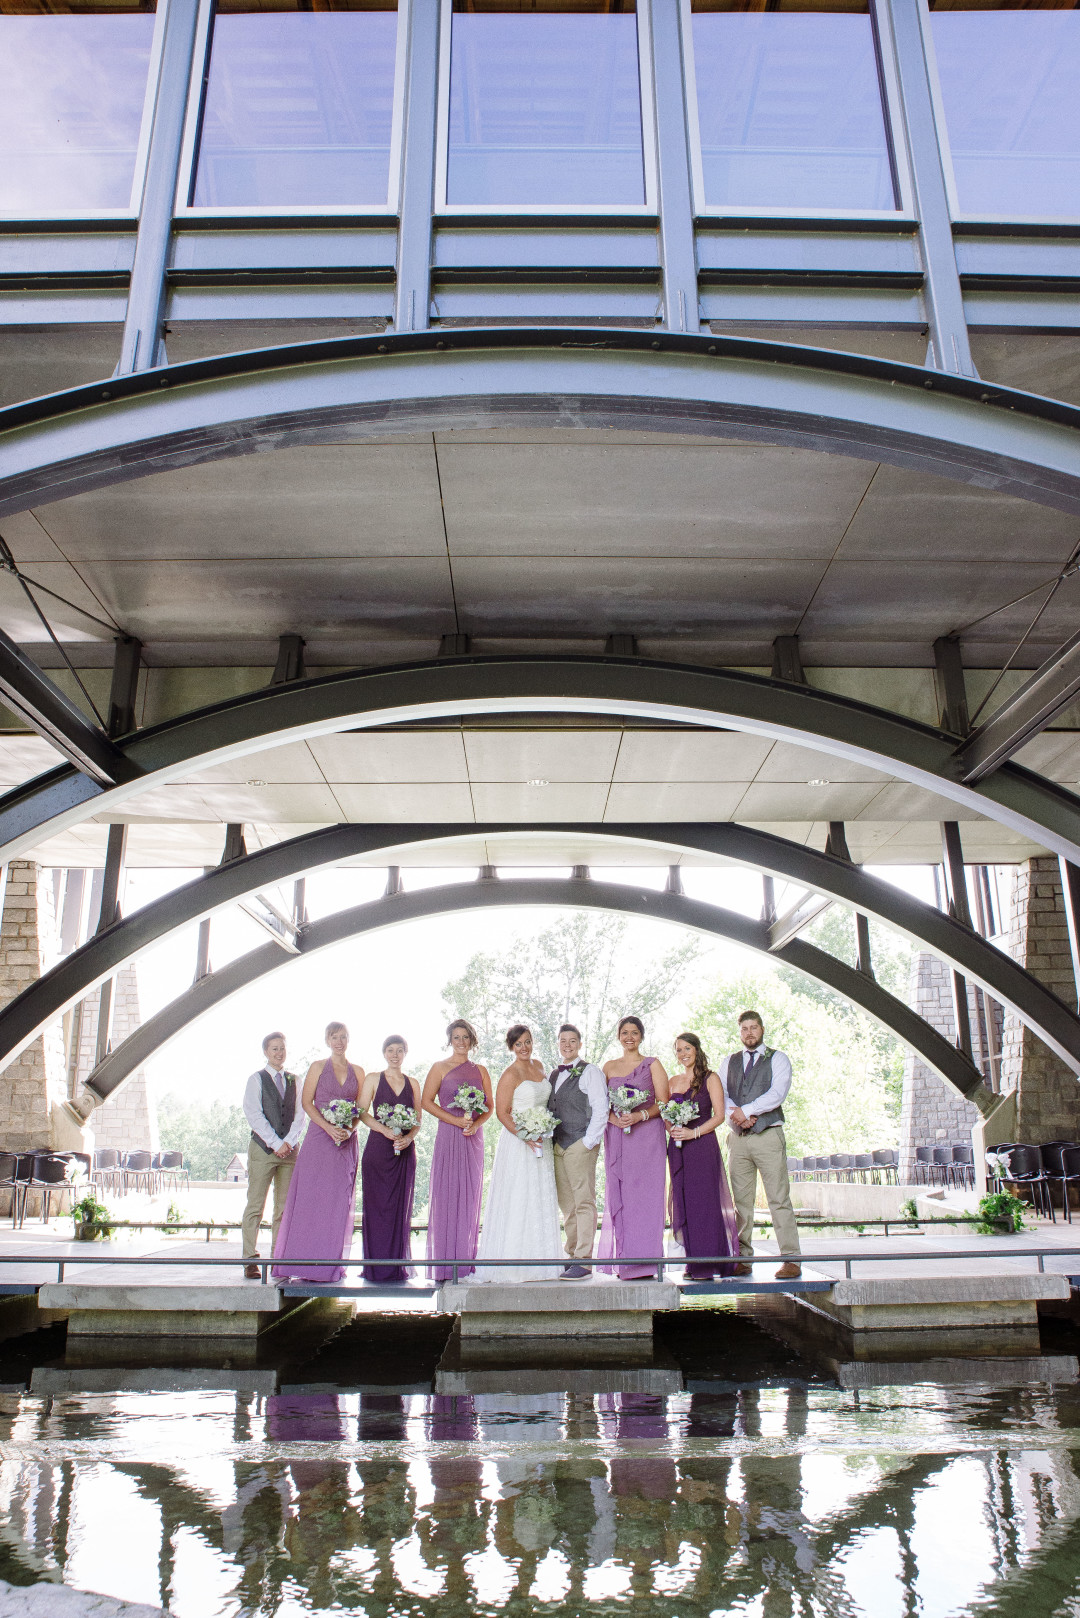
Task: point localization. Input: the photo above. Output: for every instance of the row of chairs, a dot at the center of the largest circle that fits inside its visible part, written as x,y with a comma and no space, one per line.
51,1173
1039,1169
944,1166
862,1168
152,1172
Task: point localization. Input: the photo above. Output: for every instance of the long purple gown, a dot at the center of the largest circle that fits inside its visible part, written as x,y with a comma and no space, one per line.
318,1217
702,1212
635,1184
387,1178
457,1180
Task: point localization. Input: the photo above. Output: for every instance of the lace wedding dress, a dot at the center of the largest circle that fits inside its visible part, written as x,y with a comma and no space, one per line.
521,1218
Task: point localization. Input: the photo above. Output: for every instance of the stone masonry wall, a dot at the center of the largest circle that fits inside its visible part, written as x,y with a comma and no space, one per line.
128,1120
932,1113
36,1081
1048,1099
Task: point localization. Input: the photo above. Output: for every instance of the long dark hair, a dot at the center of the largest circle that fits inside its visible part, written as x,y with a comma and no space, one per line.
702,1065
637,1022
515,1033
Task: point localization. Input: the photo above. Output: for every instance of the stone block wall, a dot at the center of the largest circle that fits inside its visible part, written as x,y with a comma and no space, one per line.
128,1120
932,1113
37,1080
1048,1095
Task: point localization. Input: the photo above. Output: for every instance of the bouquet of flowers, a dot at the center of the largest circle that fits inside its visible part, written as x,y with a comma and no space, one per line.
471,1099
679,1114
398,1120
343,1114
627,1099
534,1125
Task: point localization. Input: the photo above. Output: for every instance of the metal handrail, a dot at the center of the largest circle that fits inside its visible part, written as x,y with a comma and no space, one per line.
456,1264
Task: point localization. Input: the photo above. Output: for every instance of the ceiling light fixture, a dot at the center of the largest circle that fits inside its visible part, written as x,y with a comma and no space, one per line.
537,782
822,783
256,783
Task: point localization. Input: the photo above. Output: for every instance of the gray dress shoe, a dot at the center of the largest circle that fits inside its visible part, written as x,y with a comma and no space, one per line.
574,1272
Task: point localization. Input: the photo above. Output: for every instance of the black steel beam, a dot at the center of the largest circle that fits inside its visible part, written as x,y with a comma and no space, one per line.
1024,715
396,908
726,699
777,857
29,692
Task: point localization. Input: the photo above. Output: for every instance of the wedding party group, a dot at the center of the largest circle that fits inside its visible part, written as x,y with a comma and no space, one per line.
658,1132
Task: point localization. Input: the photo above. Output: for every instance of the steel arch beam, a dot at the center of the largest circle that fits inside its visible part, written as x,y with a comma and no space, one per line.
394,909
80,972
368,387
621,686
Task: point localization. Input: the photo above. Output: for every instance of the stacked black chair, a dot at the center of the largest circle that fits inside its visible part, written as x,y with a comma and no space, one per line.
138,1172
173,1168
1051,1154
24,1172
863,1165
941,1166
1026,1169
107,1171
962,1169
887,1164
1070,1175
923,1165
9,1181
52,1177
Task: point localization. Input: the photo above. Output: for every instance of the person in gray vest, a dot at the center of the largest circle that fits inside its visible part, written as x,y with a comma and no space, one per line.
579,1099
276,1126
756,1080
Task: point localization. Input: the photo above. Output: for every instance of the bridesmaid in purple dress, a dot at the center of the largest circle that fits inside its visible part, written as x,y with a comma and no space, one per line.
702,1212
318,1217
457,1164
388,1166
634,1163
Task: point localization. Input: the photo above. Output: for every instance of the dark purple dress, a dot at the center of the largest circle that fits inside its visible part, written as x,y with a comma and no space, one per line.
702,1212
457,1180
387,1178
318,1217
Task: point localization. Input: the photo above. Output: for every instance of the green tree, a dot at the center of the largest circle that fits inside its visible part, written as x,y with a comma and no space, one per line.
208,1136
583,970
838,1100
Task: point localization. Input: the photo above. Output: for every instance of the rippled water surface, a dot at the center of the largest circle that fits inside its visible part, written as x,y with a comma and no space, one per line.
764,1483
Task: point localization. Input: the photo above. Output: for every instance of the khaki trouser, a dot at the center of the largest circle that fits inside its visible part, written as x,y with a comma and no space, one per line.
575,1183
764,1154
264,1170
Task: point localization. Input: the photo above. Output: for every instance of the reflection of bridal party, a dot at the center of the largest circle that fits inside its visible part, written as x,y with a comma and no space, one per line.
659,1132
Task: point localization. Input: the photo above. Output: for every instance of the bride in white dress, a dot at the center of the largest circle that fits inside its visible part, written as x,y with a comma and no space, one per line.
521,1218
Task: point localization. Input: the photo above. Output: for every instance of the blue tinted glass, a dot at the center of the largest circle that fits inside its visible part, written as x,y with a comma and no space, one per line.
1010,82
789,106
545,109
299,108
71,103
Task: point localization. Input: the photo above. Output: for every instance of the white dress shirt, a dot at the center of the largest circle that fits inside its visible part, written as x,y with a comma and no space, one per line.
774,1095
253,1109
593,1082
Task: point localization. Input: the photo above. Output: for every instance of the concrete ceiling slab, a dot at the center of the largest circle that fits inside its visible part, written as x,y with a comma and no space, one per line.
1038,362
561,800
855,599
414,803
409,757
22,757
788,762
290,804
611,501
1055,753
900,802
520,756
689,756
292,765
72,623
675,800
779,800
35,360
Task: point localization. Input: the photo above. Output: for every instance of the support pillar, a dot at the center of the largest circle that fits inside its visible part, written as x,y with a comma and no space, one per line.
34,1086
1047,1092
932,1113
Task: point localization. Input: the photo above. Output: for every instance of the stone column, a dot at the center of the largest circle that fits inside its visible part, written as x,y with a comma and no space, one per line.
932,1113
128,1120
34,1086
1047,1093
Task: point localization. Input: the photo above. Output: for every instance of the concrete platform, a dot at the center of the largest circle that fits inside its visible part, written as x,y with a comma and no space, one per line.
110,1309
932,1302
563,1309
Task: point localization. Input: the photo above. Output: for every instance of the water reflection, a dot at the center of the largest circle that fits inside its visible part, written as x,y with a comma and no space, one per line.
773,1500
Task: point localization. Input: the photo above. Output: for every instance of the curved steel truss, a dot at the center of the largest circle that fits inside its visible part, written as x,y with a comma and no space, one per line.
369,387
621,686
931,1047
976,959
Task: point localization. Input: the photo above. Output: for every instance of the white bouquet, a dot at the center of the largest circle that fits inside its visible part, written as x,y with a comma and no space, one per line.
342,1114
398,1120
679,1114
471,1099
627,1098
534,1125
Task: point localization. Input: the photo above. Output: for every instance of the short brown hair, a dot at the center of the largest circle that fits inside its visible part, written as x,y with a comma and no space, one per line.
750,1016
568,1028
268,1037
333,1028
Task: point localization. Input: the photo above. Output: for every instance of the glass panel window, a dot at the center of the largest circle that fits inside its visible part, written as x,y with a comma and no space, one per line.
299,108
72,90
545,106
790,107
1010,84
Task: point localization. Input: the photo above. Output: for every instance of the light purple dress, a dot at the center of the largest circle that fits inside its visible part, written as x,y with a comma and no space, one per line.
318,1217
457,1180
635,1168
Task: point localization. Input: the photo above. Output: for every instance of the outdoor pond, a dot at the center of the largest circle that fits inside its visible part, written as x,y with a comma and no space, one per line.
379,1473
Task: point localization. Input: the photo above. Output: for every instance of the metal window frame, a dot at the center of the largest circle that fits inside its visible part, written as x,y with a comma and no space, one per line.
497,211
899,157
142,148
945,146
185,211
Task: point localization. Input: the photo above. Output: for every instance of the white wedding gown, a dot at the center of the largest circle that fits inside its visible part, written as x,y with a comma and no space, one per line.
521,1218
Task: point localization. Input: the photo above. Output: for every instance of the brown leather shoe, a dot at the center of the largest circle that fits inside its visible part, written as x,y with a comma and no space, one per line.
252,1272
790,1270
744,1269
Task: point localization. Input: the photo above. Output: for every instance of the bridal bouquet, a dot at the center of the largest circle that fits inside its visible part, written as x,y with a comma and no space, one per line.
627,1099
471,1099
342,1114
534,1125
679,1114
398,1120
